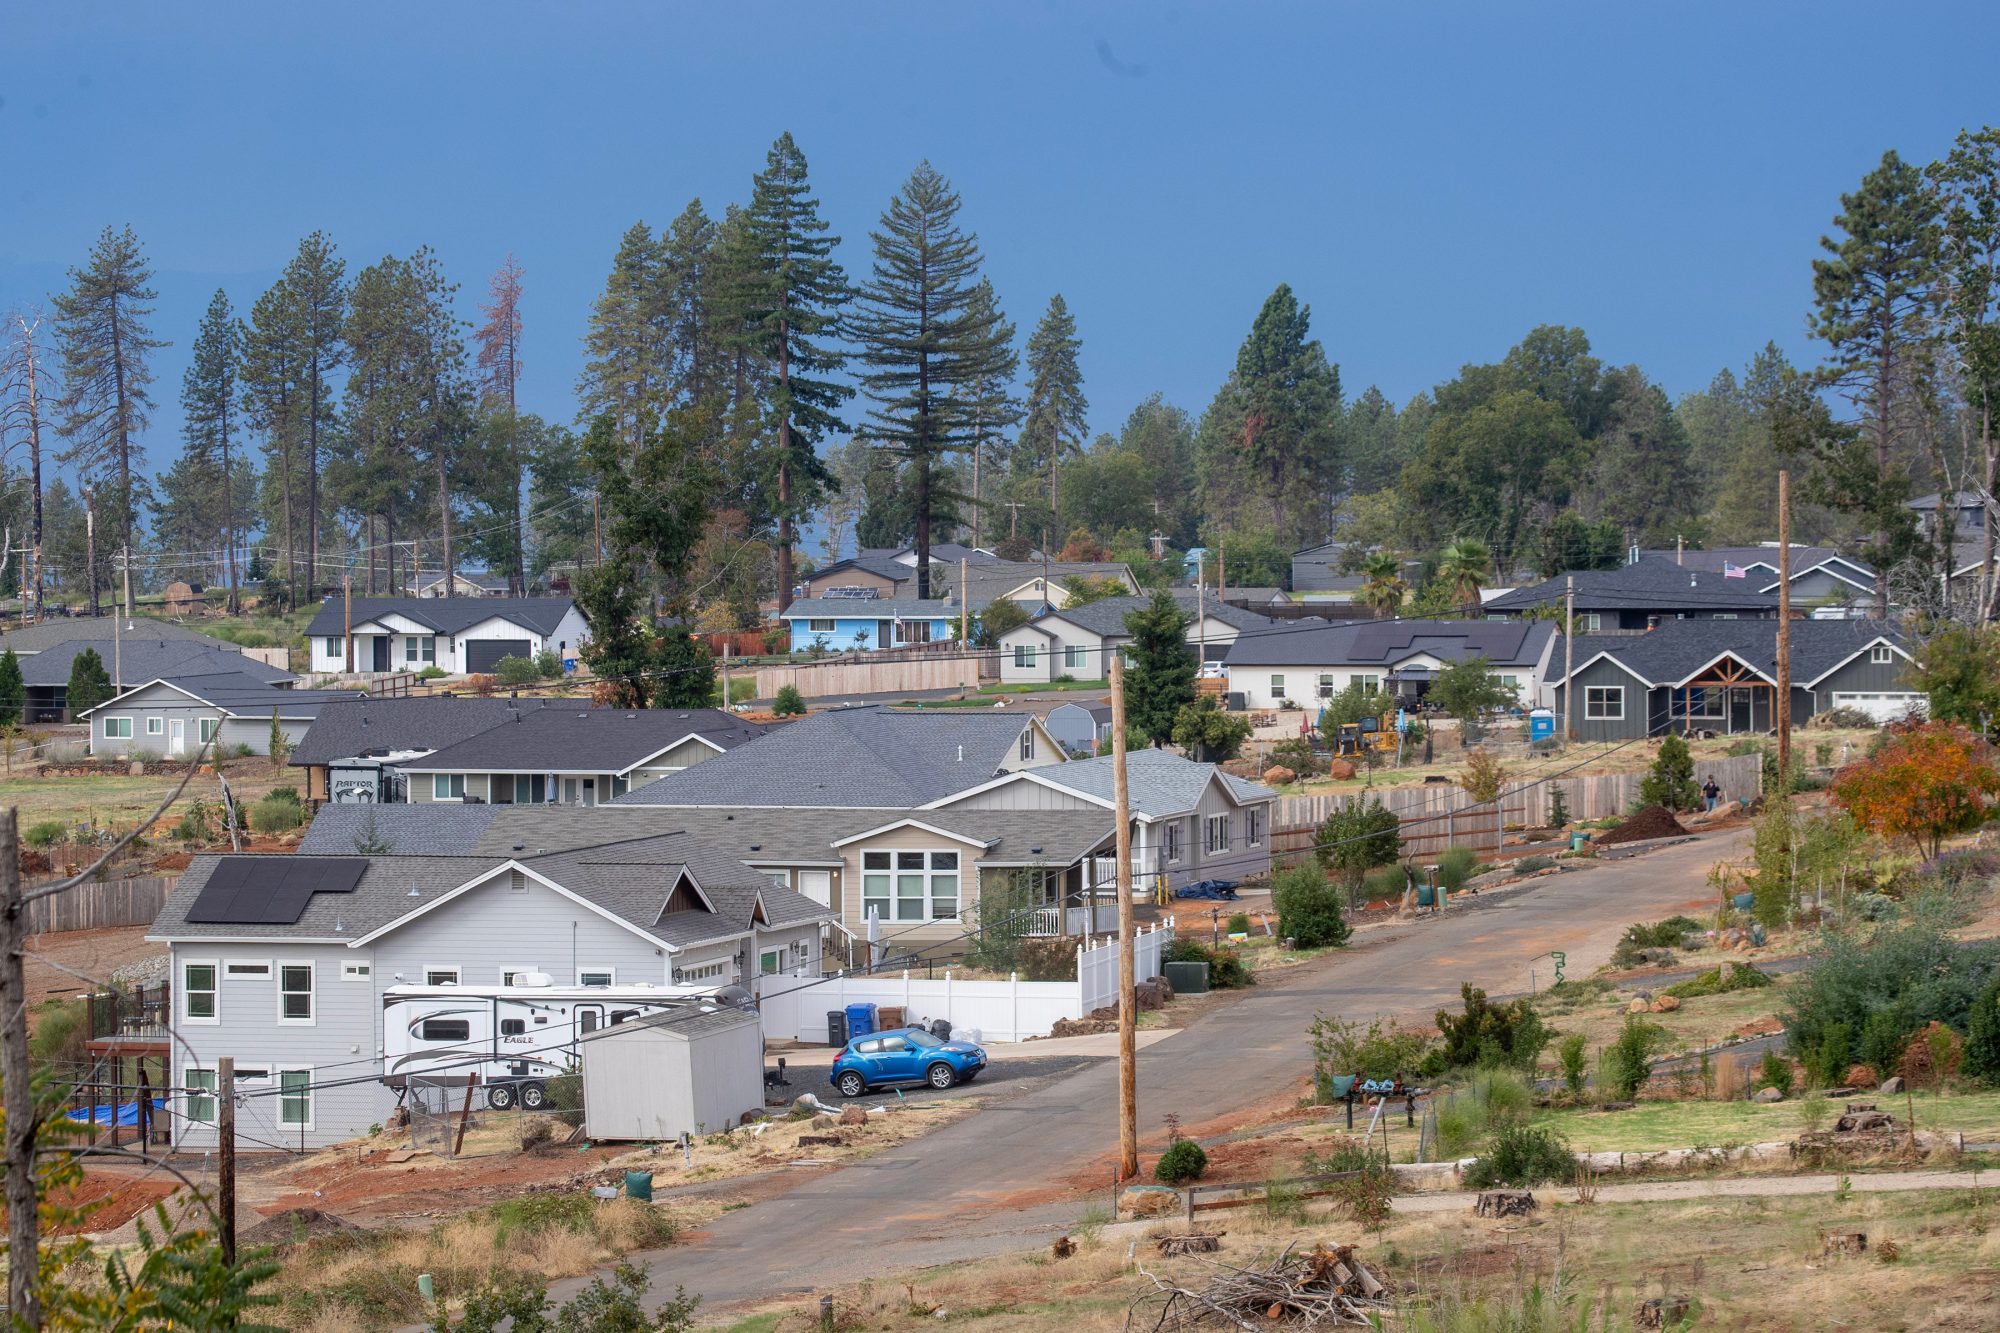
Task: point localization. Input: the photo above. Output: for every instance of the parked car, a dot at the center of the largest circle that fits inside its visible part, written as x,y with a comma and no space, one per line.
904,1055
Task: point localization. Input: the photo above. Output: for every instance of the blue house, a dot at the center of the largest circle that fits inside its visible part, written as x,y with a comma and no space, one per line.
844,624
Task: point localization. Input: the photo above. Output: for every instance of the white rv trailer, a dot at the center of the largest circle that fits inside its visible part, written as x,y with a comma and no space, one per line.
511,1039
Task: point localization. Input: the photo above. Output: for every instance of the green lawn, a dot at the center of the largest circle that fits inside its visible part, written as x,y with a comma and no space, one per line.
1653,1125
1036,688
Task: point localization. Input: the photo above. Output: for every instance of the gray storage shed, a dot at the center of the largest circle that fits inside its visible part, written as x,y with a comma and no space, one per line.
684,1071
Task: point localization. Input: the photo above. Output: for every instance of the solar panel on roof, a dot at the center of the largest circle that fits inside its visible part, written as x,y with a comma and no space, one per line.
269,890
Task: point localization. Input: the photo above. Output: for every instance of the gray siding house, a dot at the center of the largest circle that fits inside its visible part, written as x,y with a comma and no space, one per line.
1722,677
173,718
298,1002
562,752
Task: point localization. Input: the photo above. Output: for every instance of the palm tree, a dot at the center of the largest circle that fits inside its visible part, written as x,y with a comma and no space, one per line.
1463,566
1383,588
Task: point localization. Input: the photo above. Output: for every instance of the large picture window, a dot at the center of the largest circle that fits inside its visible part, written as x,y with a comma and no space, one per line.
117,728
447,786
910,886
1605,703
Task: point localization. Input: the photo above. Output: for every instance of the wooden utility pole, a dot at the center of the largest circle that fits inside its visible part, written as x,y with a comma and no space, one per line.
1784,717
23,1238
90,545
346,619
1569,656
225,1188
1128,1017
125,567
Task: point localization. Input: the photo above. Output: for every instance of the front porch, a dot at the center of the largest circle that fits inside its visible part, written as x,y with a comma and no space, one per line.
1726,697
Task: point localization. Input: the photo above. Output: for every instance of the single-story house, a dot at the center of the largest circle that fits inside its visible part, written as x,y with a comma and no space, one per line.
458,635
1303,664
354,751
282,961
134,661
1079,726
892,574
1823,580
1073,642
563,752
1705,675
845,624
176,716
462,585
1637,596
861,758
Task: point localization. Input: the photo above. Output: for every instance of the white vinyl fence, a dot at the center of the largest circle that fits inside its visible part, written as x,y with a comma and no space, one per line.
796,1009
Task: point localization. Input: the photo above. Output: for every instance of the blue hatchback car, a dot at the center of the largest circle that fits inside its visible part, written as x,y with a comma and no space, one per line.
904,1055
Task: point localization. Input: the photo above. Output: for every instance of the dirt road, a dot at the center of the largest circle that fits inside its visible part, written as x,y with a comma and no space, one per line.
1024,1168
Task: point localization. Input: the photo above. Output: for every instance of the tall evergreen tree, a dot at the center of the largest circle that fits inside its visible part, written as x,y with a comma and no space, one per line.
925,344
443,392
499,363
625,344
107,342
990,401
1968,183
89,683
690,274
384,410
13,690
1057,413
1871,299
208,408
1160,680
785,300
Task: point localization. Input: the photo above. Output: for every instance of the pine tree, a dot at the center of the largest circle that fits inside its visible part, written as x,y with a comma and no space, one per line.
1160,679
106,342
690,273
13,691
89,683
1871,305
208,408
1287,402
27,385
990,401
625,343
785,301
499,364
383,408
925,344
1057,413
443,393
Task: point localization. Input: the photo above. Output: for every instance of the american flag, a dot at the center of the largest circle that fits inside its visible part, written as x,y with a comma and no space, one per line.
1730,571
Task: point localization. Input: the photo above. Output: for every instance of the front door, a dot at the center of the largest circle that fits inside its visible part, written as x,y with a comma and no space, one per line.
590,791
1739,709
177,734
381,658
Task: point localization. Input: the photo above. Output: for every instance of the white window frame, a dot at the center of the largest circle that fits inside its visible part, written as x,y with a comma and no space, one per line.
117,729
435,969
1215,833
156,725
1601,698
1024,656
450,780
1171,839
246,969
1278,688
357,971
610,975
205,729
311,993
334,648
1027,742
213,991
770,962
1075,656
882,886
714,970
198,1088
420,650
1881,654
1713,706
1593,621
1325,685
511,970
1253,827
1372,684
278,1077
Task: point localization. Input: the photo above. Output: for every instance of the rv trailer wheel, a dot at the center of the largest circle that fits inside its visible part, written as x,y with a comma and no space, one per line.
500,1096
534,1096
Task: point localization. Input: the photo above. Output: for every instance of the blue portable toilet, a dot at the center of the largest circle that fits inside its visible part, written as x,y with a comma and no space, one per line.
860,1020
1541,724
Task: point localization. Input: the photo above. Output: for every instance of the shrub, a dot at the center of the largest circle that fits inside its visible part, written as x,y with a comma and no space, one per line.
789,702
1487,1034
1670,781
1882,1039
1228,971
1455,867
1308,908
742,689
1528,865
46,833
1982,1035
1378,1051
1189,951
1775,1072
1628,1060
1924,784
432,672
515,672
274,816
565,1210
288,794
242,751
1558,806
1239,923
1572,1053
1356,838
1181,1162
1522,1155
1669,934
1741,977
1384,884
1828,1061
548,664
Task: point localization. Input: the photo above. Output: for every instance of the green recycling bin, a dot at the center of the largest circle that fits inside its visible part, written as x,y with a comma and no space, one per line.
1577,841
639,1185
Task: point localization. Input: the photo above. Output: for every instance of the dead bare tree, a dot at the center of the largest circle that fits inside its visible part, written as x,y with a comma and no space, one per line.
25,382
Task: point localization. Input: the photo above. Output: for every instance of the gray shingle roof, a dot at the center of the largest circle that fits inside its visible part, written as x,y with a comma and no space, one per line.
147,659
1159,784
343,730
992,579
869,608
407,830
55,632
563,736
1384,642
1677,648
850,757
1106,617
446,615
1648,584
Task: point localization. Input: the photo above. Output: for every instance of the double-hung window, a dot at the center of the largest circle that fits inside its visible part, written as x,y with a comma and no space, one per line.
156,726
117,728
447,786
1277,688
1024,656
420,649
295,992
910,886
333,649
295,1098
1173,840
1253,827
1326,684
198,993
1605,703
1028,743
200,1095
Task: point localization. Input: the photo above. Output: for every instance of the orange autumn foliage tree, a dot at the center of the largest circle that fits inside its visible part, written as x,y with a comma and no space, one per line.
1924,784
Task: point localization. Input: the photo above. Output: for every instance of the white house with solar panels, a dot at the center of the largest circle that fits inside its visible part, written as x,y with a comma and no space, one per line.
281,962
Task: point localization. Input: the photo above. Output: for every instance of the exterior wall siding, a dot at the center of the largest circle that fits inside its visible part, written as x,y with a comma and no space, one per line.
1637,700
166,706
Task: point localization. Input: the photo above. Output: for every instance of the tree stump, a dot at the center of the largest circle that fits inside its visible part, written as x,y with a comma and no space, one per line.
1505,1203
1836,1243
1660,1312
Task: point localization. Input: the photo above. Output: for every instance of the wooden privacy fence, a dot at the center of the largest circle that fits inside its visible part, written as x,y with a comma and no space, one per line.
819,680
116,902
1437,815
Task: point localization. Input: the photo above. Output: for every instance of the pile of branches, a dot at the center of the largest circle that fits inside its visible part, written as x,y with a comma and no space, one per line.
1327,1286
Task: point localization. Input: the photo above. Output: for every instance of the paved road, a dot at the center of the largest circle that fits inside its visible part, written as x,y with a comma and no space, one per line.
1016,1172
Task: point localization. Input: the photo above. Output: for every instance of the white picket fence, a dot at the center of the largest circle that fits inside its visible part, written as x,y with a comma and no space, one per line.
1010,1010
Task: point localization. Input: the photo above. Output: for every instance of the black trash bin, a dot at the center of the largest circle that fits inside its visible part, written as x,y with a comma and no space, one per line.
941,1029
836,1027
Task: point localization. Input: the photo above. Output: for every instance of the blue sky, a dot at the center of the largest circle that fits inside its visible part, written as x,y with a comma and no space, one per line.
1433,180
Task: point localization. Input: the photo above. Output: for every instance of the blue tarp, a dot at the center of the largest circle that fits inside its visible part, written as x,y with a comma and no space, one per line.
1222,890
128,1114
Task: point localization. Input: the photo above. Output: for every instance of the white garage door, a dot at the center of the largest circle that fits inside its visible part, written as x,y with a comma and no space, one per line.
1884,707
